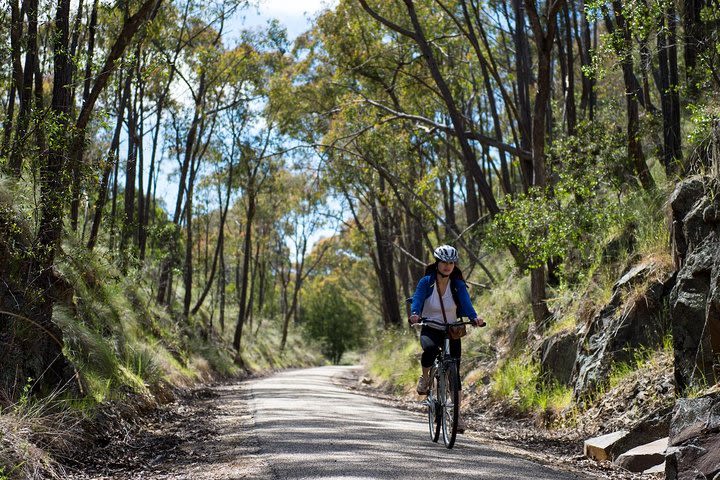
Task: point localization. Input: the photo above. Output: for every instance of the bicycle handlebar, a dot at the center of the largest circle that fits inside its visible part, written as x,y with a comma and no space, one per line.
426,321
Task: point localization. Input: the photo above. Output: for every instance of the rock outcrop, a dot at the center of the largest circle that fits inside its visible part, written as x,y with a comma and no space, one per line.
695,299
633,318
557,356
694,446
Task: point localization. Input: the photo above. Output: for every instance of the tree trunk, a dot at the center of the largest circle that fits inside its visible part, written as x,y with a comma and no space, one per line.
570,110
290,313
245,271
187,265
524,77
632,92
223,282
130,175
107,169
166,265
695,40
16,27
383,245
48,349
218,247
670,102
25,91
141,231
582,32
544,39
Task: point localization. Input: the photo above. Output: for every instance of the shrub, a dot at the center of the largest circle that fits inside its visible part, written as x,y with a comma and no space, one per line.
333,319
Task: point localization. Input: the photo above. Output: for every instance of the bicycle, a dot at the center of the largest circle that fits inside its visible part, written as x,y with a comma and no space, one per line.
443,400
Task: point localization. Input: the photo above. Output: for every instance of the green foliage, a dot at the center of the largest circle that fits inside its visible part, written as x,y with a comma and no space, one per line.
332,319
518,381
644,211
702,117
565,220
506,309
394,359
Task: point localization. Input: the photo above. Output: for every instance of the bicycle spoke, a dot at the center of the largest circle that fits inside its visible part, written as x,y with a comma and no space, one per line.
434,410
451,406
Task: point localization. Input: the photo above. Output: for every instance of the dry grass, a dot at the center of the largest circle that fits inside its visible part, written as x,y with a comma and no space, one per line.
35,434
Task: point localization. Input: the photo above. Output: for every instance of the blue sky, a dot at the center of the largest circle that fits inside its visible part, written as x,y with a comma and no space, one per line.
295,15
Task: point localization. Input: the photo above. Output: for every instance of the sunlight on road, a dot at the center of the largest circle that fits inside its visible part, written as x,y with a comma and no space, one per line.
310,428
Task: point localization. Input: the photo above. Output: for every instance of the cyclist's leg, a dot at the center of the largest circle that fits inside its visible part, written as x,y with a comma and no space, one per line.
455,352
431,341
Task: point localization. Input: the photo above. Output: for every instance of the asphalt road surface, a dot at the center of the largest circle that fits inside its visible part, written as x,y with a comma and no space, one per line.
308,428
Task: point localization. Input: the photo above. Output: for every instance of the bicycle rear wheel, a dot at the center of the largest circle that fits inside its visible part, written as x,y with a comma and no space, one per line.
434,411
450,405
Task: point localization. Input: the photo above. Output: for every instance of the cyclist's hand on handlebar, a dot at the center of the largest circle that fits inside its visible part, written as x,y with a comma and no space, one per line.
414,319
479,322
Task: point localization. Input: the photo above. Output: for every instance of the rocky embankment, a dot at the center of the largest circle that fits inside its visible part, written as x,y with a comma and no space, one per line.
650,301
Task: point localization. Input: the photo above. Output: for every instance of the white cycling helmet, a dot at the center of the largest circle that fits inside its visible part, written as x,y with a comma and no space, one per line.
446,253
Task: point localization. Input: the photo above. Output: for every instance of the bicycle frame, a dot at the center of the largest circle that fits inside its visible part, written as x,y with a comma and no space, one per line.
443,397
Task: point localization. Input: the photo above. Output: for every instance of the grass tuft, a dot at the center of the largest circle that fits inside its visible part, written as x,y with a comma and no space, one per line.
518,382
395,360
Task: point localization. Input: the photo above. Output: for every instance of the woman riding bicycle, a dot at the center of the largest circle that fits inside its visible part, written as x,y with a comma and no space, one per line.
432,289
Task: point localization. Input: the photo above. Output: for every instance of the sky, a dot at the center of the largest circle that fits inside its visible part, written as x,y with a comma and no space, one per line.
295,15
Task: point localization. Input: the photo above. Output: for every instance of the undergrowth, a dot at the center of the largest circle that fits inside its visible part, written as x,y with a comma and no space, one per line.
395,359
519,382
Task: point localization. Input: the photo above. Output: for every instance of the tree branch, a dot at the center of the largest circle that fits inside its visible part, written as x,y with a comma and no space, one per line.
388,23
472,135
131,26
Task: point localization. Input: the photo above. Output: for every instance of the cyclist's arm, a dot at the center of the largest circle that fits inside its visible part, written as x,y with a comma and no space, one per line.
464,298
418,299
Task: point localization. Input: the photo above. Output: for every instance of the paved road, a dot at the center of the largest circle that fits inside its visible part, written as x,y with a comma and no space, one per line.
309,428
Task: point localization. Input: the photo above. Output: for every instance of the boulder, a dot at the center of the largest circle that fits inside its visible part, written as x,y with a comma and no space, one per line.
694,297
659,468
601,448
622,326
694,451
694,443
682,202
643,457
653,427
557,356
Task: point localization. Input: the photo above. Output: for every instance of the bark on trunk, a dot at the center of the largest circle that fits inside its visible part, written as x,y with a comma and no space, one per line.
670,101
25,92
250,215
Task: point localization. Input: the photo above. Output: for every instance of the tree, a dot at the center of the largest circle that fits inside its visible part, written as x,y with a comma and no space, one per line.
331,318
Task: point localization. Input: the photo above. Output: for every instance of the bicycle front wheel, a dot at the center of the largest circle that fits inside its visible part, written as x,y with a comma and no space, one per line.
450,405
434,411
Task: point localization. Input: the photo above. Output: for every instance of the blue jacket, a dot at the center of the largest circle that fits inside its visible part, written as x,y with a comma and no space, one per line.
425,288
